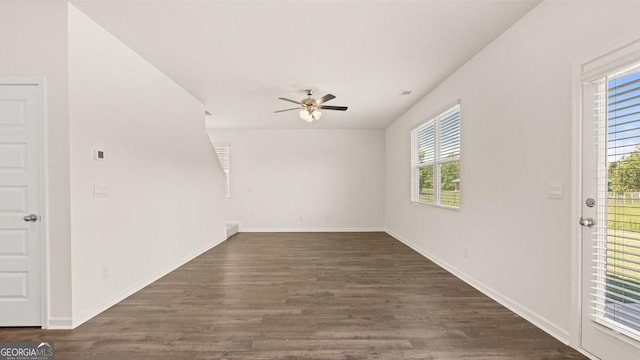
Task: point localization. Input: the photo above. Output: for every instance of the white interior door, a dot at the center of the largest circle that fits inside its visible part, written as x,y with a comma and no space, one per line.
20,184
611,214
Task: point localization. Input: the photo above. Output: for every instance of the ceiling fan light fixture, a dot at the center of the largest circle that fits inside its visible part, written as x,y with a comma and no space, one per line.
306,116
310,114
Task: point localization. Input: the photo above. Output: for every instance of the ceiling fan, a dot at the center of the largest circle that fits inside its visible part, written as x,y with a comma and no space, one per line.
310,107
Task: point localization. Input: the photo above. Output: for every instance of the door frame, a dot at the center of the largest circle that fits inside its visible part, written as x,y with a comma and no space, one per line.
43,187
598,58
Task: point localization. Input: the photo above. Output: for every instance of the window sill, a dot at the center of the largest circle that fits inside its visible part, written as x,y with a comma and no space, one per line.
446,207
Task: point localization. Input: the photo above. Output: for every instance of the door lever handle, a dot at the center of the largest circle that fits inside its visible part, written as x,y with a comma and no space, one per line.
31,218
588,222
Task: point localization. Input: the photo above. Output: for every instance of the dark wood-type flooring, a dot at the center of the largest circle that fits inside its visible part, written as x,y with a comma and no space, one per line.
304,296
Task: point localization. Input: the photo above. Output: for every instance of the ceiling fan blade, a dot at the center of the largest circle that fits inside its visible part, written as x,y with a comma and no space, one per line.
279,111
289,100
324,99
329,107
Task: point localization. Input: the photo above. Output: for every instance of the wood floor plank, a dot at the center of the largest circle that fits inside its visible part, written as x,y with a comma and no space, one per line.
305,296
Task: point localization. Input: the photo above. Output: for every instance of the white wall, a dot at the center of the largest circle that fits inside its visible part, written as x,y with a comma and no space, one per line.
305,179
165,202
33,39
516,138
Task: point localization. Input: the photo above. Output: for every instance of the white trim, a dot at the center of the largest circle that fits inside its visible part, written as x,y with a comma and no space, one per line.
63,323
586,353
44,204
112,300
267,230
607,62
536,319
448,207
576,208
618,331
43,181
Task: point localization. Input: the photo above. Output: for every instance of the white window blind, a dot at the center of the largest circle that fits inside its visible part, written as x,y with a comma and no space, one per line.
435,160
449,134
427,143
222,151
616,243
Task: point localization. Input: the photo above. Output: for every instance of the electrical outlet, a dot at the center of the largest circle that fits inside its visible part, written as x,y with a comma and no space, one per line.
465,252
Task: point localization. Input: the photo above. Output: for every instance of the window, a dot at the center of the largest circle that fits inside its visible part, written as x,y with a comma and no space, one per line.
435,160
223,156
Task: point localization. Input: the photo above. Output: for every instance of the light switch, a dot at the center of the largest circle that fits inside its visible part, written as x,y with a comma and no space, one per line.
555,190
100,190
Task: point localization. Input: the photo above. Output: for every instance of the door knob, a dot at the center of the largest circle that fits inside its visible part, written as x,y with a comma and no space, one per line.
31,218
588,222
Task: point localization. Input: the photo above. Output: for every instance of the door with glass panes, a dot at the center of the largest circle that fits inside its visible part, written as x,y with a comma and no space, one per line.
610,210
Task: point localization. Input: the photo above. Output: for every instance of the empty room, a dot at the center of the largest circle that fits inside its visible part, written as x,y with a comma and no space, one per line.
201,179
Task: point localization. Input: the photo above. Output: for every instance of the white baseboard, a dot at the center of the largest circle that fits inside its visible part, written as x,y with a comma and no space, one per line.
524,312
59,323
243,229
109,302
586,353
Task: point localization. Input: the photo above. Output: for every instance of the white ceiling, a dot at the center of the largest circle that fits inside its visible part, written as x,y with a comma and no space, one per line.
238,57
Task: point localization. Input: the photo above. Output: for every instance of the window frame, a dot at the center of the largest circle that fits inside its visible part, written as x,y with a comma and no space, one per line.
437,162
